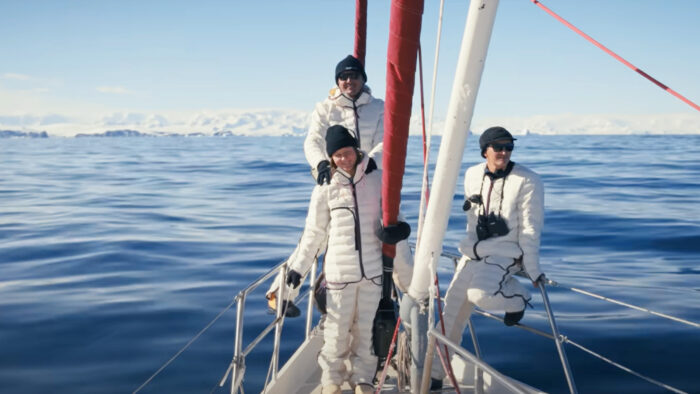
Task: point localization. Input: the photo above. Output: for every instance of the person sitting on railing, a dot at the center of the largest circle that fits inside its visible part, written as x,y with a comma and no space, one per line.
505,214
347,213
350,104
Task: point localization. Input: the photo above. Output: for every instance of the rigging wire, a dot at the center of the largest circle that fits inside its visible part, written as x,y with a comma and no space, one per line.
427,139
615,55
608,299
599,356
622,367
425,188
191,341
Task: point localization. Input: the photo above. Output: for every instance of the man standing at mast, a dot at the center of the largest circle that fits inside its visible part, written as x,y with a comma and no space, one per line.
351,105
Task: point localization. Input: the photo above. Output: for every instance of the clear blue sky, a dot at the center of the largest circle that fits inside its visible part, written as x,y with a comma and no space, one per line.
193,55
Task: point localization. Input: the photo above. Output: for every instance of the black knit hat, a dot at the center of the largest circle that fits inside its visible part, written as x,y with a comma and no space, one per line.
350,63
338,137
493,134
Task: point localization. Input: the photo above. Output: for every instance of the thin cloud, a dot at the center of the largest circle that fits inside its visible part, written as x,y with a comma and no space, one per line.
16,76
113,90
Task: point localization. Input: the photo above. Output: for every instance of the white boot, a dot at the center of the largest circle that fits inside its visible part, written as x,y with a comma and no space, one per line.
364,388
331,389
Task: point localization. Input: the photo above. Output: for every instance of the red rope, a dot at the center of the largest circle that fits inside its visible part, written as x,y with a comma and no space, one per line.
616,56
360,30
449,370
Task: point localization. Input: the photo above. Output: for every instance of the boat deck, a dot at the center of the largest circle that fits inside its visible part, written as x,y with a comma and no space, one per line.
301,374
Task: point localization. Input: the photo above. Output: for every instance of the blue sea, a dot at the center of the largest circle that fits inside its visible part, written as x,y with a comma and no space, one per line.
115,252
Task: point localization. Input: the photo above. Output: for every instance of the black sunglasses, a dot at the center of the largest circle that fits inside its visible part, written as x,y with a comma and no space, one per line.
500,147
349,74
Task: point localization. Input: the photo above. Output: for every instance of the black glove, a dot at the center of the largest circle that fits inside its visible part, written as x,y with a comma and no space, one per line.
394,233
474,198
293,278
324,172
371,166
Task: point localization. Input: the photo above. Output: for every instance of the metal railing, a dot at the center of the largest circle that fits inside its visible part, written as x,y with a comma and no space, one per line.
237,366
560,339
476,359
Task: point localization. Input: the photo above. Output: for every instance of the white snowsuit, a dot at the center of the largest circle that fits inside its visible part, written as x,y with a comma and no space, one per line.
484,275
347,212
367,115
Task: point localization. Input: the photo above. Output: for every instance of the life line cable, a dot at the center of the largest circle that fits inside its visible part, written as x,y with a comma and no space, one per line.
191,341
569,341
616,56
625,304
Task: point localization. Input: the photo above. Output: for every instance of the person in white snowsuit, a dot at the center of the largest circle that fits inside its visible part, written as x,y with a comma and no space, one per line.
350,104
505,215
347,213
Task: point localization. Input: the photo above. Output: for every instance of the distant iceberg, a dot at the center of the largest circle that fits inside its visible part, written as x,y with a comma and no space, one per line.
290,122
23,134
114,133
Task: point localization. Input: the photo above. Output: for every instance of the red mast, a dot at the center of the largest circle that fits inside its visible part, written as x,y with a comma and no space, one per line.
360,30
404,39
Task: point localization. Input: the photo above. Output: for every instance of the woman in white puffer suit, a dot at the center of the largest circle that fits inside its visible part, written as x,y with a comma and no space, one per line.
347,213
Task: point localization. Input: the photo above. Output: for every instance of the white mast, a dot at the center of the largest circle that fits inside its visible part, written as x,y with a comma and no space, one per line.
470,66
475,41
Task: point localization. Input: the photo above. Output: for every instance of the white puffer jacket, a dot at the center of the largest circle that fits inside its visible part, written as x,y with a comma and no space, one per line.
366,114
348,211
520,201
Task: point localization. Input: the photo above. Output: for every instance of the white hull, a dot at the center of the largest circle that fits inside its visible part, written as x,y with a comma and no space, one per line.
301,374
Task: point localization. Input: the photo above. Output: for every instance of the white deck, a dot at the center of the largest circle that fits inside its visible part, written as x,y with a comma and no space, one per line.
302,374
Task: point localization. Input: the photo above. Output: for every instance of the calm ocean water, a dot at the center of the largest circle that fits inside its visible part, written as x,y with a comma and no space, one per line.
114,252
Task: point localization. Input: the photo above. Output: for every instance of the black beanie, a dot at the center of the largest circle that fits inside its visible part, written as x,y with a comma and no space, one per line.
493,134
350,63
338,137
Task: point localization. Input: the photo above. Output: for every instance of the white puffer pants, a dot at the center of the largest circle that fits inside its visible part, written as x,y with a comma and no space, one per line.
488,284
348,332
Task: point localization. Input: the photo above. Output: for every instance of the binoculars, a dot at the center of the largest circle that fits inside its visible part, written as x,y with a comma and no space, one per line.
491,226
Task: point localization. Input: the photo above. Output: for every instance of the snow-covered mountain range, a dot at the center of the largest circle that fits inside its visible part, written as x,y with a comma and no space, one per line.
276,122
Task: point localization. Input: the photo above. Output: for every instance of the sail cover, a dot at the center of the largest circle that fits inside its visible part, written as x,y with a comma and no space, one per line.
404,39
